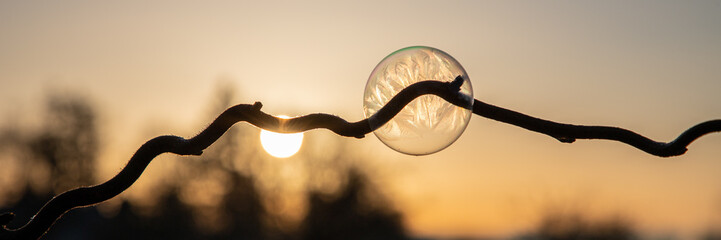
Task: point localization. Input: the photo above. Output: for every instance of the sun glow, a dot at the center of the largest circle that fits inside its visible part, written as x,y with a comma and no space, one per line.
281,145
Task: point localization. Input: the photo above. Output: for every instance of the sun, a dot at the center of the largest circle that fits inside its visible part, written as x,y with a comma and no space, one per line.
281,145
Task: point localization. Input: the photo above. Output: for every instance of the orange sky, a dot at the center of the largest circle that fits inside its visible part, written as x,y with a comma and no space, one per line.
650,66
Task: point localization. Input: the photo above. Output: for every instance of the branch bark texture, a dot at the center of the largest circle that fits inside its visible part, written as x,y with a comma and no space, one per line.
567,133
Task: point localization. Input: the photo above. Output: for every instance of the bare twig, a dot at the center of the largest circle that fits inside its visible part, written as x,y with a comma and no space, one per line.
568,133
86,196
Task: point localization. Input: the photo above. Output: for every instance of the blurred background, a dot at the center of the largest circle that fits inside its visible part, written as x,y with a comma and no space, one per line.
83,84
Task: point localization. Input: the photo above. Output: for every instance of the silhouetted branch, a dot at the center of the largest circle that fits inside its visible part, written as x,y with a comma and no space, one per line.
449,91
568,133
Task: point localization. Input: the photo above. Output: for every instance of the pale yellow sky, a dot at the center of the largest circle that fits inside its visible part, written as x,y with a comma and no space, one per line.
650,66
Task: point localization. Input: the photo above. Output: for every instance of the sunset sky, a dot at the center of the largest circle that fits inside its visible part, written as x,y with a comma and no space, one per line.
650,66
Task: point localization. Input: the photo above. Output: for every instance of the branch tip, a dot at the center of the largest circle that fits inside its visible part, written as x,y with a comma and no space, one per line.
457,83
257,106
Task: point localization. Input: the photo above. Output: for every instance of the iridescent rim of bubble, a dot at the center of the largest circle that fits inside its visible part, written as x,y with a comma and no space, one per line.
428,124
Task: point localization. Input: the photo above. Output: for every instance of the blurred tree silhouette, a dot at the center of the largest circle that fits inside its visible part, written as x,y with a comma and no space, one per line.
214,196
559,225
711,235
69,143
225,203
207,200
59,157
357,211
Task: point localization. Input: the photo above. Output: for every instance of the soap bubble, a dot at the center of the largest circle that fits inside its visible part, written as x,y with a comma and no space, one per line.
429,123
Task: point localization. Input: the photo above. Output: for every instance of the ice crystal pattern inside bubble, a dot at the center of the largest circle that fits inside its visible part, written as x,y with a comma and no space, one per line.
428,124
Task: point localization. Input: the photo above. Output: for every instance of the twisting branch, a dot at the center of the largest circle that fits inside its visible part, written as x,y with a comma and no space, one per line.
449,91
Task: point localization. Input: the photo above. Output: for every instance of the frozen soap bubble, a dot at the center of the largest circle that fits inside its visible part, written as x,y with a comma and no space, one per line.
429,123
